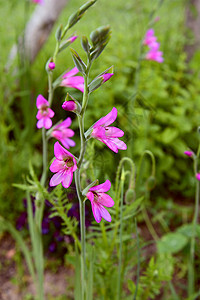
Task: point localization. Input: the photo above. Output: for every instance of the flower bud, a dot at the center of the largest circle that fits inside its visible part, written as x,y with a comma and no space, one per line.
188,153
150,183
69,106
198,176
130,196
51,65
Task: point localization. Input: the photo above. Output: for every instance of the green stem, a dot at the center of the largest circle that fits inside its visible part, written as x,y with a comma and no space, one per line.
138,261
78,185
119,282
191,269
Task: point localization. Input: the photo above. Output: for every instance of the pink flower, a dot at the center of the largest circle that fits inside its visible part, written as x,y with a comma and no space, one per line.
69,105
38,1
51,65
98,199
154,54
62,133
44,113
198,176
64,165
188,153
76,82
149,37
109,135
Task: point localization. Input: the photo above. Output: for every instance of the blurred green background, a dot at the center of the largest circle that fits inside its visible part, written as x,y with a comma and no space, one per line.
167,104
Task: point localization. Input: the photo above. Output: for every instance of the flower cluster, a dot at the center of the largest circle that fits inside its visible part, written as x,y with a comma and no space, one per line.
150,40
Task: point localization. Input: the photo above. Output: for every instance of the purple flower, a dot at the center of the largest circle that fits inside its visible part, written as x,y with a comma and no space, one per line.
62,133
198,176
107,134
99,199
76,82
64,165
44,113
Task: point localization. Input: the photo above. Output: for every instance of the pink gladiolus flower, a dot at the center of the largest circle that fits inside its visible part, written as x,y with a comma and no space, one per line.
198,176
149,37
69,105
188,153
76,82
64,165
51,65
62,133
155,55
44,113
38,1
107,134
99,199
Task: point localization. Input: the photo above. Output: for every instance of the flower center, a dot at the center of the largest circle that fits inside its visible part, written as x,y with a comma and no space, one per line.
69,162
44,109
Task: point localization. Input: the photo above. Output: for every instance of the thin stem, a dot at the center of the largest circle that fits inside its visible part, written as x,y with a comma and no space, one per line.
78,184
119,283
138,261
191,269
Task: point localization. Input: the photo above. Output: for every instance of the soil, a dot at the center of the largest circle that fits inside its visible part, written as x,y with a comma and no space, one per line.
13,287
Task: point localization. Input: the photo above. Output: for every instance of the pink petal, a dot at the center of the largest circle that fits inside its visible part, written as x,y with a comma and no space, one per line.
103,187
66,123
76,82
60,152
114,132
96,212
90,196
57,178
67,143
50,113
99,132
67,180
72,72
111,145
41,101
47,123
108,119
40,123
39,115
104,213
120,144
105,200
57,165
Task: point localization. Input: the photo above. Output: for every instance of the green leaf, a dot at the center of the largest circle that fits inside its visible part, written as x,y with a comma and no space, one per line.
75,17
172,243
78,61
189,231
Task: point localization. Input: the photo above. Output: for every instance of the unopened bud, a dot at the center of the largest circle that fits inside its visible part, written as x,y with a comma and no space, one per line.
198,176
151,182
69,106
130,196
188,153
51,65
